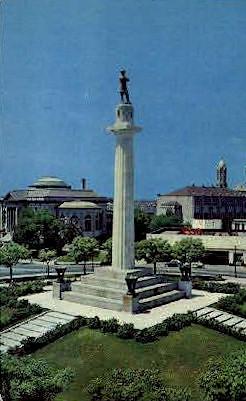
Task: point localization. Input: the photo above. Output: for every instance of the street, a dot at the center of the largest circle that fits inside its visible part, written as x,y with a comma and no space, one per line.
37,269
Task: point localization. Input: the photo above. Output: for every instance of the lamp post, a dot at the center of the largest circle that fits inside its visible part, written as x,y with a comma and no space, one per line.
235,261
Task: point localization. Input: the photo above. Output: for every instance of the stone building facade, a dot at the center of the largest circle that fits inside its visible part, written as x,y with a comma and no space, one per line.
81,206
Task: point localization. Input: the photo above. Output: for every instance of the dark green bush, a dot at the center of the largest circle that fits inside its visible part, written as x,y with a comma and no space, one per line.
134,385
211,286
126,331
109,326
224,379
94,322
233,304
29,379
146,335
215,325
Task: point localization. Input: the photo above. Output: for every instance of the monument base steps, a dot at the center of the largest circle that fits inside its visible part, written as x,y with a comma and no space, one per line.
107,289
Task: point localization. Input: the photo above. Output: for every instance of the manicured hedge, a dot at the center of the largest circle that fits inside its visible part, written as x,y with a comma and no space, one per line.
233,304
222,328
20,290
212,286
13,310
124,331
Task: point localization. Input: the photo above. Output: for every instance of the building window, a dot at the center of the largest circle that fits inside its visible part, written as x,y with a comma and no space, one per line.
88,222
97,221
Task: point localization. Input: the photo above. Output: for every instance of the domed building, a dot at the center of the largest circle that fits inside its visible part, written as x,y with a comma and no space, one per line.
80,206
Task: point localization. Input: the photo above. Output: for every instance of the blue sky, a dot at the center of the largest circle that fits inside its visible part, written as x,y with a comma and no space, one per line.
59,82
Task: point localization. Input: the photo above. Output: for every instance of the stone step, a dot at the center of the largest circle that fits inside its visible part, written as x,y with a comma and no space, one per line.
12,335
8,342
92,300
148,281
100,281
3,348
62,315
52,319
99,291
45,323
25,332
36,328
161,299
155,289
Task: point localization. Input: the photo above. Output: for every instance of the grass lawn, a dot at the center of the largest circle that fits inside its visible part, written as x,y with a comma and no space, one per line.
180,356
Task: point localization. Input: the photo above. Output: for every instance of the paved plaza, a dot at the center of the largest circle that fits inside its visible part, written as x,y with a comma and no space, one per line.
200,299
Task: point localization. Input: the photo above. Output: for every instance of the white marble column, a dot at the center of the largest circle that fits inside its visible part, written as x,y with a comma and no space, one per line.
123,213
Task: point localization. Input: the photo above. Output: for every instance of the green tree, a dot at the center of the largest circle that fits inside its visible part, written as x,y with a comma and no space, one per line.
224,379
39,229
153,251
163,221
46,256
141,222
31,379
188,250
107,252
10,254
84,249
135,385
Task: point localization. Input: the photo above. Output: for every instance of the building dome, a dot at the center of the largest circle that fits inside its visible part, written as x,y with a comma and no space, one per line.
49,182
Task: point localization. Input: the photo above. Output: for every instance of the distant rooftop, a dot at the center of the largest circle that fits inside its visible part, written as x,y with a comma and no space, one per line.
204,191
78,205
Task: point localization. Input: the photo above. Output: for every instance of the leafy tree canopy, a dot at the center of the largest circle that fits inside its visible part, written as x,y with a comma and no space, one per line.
107,252
188,250
39,229
10,254
31,379
162,221
83,249
153,250
141,221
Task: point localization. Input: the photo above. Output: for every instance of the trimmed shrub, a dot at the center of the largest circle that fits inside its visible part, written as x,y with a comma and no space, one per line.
110,326
215,325
94,322
233,304
211,286
146,335
224,379
126,331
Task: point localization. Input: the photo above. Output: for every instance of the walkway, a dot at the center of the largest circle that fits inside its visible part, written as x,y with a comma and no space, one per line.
34,327
227,319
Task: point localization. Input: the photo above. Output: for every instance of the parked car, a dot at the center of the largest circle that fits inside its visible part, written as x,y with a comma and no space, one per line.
199,265
174,263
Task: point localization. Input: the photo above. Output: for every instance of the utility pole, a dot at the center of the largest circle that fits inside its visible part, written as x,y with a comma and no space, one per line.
235,261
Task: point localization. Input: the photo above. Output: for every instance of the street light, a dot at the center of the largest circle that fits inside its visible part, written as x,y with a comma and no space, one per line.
235,261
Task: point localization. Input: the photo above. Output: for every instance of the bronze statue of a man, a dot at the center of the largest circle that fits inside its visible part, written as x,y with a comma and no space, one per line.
123,87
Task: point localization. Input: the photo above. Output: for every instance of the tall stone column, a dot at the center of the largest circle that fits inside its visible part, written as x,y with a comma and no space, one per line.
123,213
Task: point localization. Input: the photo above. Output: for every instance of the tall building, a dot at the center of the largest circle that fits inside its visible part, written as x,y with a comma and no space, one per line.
208,208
